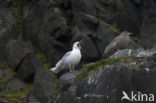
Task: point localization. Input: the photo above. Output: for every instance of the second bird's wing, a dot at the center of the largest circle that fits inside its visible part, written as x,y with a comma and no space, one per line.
62,61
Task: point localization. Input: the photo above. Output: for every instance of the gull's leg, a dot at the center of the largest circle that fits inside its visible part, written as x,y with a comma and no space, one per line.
70,67
73,68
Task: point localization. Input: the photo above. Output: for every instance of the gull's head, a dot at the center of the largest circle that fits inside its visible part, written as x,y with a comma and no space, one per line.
126,33
77,45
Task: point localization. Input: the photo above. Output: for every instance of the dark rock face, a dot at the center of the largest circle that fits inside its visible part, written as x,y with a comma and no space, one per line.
28,67
108,85
67,79
15,85
16,51
43,85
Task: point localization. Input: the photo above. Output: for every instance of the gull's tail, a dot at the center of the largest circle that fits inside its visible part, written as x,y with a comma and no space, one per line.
54,70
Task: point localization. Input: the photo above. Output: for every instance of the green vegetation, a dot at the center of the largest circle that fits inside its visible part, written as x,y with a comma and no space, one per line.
111,1
63,19
3,81
18,15
4,65
20,97
43,58
112,27
94,66
57,91
5,70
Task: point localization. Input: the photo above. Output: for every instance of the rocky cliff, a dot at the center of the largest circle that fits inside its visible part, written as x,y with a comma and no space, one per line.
35,34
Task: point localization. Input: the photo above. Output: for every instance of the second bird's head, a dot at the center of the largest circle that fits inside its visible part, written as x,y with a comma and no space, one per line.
126,33
77,45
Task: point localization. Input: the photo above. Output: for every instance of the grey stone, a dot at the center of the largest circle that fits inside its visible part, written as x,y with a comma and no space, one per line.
15,85
43,86
67,79
16,51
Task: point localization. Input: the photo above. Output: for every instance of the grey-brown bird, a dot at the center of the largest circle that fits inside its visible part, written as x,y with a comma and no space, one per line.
120,42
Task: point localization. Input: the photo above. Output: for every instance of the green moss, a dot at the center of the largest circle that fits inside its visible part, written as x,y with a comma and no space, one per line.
20,97
114,25
96,65
43,58
64,21
56,91
57,10
111,1
18,15
4,65
3,81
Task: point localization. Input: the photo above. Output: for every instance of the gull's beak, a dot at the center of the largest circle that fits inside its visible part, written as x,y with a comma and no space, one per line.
79,45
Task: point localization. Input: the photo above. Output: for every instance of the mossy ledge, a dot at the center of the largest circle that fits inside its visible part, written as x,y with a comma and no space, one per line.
43,58
20,97
94,66
5,69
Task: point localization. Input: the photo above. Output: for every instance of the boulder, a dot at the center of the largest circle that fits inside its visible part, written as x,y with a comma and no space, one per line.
109,84
67,79
32,99
148,27
16,51
43,85
28,67
128,19
15,85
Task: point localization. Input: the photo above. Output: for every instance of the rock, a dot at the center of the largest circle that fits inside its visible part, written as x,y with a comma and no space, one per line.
6,101
88,49
15,85
150,63
105,36
138,1
67,79
43,88
28,67
128,19
5,76
108,85
16,51
148,27
135,53
32,99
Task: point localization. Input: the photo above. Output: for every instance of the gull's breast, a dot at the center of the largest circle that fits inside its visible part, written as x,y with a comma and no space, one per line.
74,58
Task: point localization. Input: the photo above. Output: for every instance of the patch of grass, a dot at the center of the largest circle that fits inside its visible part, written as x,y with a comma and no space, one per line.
96,65
4,65
20,97
43,58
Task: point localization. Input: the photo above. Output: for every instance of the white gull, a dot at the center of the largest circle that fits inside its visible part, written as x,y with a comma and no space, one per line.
69,60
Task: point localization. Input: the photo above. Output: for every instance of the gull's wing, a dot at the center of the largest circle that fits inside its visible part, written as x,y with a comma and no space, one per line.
61,62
